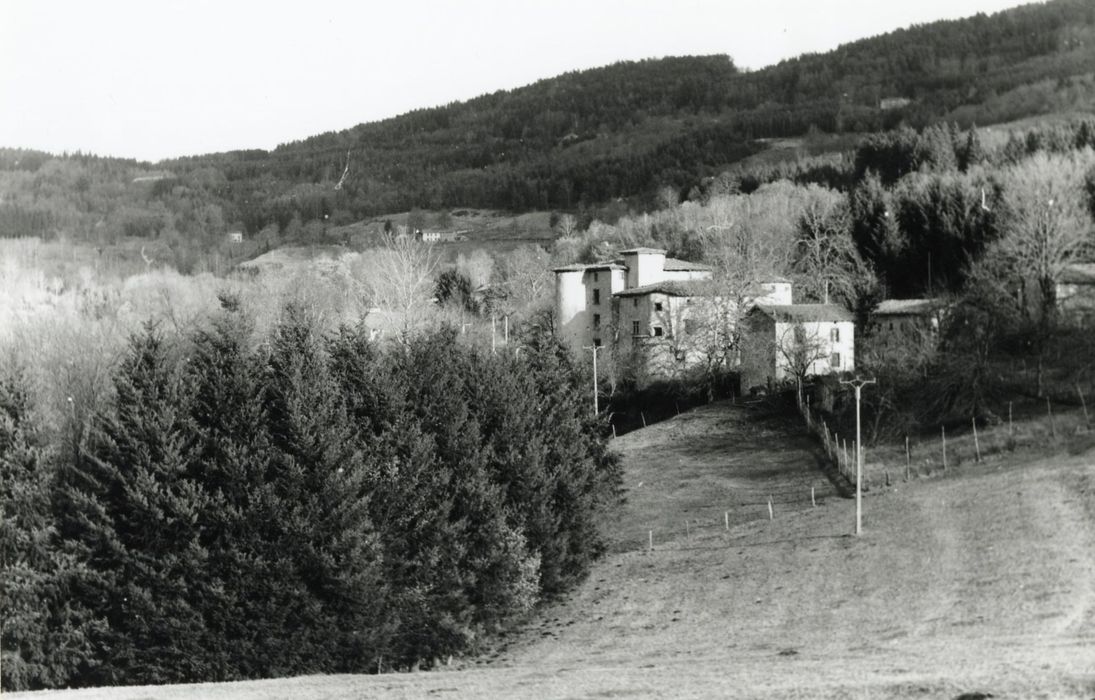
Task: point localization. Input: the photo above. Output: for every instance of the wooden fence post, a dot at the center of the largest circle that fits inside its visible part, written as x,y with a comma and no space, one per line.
1052,423
726,520
643,416
943,428
771,515
908,459
1011,427
1083,403
650,539
813,501
976,441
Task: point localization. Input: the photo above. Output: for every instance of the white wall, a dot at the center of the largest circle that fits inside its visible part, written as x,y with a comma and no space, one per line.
819,335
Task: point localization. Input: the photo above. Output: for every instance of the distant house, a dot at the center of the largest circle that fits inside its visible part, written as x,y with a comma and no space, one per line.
441,236
235,236
1076,294
908,320
888,103
786,341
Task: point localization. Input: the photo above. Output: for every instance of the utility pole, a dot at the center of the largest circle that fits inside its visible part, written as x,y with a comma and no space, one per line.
594,348
493,341
858,384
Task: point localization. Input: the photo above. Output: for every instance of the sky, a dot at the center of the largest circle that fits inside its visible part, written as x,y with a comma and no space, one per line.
151,79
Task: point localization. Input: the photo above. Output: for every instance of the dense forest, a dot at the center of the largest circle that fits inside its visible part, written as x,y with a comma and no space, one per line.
572,142
247,505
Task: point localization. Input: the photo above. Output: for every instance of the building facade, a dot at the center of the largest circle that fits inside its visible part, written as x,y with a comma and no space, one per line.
657,314
908,321
789,341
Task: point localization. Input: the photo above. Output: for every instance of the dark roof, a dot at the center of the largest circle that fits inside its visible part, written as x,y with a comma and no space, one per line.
674,265
1079,273
642,250
806,312
908,307
773,278
579,267
690,288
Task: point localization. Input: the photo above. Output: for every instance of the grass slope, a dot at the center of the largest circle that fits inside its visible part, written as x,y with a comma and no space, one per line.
981,580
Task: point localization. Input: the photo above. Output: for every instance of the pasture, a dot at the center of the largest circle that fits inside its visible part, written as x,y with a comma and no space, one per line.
980,580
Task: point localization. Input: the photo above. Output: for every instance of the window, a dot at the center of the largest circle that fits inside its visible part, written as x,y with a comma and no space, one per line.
834,360
596,322
635,302
596,342
834,335
657,331
634,328
594,276
657,306
596,296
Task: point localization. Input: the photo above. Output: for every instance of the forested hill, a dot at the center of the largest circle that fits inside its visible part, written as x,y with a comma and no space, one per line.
628,129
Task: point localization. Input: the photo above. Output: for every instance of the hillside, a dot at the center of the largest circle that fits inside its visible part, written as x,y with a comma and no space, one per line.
573,141
977,582
626,129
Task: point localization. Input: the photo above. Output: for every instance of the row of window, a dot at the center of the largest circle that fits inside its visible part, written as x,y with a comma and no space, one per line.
658,306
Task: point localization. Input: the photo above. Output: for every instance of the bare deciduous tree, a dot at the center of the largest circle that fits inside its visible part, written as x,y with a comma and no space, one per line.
1046,225
826,261
399,279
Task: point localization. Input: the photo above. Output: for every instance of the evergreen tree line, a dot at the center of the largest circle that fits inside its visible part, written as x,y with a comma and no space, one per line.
302,503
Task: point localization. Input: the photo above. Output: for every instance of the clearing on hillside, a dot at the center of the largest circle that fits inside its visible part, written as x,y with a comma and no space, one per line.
982,581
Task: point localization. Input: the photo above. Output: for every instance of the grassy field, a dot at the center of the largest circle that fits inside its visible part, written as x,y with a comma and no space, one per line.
980,580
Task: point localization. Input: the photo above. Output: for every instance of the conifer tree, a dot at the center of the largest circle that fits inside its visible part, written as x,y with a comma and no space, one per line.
324,478
137,514
259,597
436,373
43,632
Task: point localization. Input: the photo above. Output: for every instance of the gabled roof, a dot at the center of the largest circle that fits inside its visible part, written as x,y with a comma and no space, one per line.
674,265
1079,273
690,288
908,307
806,312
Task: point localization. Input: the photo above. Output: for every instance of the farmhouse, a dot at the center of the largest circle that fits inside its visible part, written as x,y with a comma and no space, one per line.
1076,294
235,236
788,341
903,321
